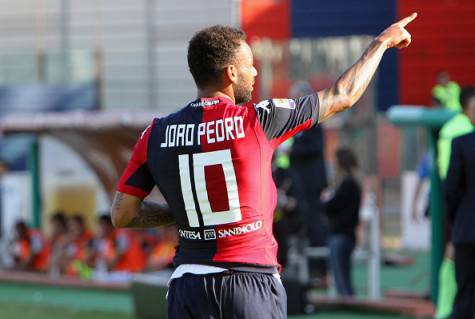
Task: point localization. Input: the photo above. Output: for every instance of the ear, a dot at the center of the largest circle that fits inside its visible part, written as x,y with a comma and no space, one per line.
231,73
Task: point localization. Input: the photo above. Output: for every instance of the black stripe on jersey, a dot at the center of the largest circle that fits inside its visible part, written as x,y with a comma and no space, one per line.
164,165
141,179
193,189
279,116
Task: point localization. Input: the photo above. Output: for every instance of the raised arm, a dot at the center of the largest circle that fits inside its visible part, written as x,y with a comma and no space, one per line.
132,212
353,82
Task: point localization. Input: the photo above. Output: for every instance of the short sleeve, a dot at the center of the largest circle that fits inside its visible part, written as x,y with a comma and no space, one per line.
137,179
283,118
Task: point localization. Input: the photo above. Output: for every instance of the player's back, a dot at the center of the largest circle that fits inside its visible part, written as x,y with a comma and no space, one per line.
212,162
213,168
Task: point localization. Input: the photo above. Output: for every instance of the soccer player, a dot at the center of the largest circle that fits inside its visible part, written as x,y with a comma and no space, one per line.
77,246
211,160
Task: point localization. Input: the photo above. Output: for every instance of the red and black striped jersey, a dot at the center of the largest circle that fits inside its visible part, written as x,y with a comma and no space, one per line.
212,162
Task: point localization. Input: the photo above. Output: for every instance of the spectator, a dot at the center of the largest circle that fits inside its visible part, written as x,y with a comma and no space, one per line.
58,241
59,228
288,217
117,250
307,159
446,93
29,249
459,125
148,239
423,174
77,246
162,253
342,210
460,203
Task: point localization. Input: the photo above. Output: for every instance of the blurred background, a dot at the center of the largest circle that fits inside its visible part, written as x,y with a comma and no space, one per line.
79,81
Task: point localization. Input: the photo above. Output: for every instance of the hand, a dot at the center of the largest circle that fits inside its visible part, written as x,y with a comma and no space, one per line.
396,35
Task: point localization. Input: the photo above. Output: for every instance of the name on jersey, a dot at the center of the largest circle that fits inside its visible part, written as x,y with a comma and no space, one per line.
211,234
229,128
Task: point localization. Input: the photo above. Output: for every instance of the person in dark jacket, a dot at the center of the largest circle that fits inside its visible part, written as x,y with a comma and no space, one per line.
460,203
342,210
308,162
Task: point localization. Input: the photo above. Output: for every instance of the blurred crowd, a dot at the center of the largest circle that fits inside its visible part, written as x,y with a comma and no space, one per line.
73,250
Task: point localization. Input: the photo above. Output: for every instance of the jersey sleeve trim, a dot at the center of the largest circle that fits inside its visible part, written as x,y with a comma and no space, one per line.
131,190
137,179
282,138
282,118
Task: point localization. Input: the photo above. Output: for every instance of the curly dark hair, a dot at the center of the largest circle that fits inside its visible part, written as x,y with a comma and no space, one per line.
210,51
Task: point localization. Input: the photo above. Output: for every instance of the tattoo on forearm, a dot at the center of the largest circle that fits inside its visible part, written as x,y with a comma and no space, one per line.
119,197
351,85
152,215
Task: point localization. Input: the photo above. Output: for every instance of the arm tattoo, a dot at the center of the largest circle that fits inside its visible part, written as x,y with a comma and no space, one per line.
152,215
351,85
118,201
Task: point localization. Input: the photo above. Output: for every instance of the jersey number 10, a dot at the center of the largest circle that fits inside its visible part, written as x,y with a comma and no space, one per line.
200,161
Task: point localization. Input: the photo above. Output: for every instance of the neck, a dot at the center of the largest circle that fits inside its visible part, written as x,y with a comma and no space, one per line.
225,92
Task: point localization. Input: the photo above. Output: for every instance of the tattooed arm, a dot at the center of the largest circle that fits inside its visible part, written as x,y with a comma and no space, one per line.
131,212
351,85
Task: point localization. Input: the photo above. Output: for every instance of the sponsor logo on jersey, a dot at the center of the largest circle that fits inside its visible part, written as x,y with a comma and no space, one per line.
264,105
204,103
189,234
210,234
284,103
240,230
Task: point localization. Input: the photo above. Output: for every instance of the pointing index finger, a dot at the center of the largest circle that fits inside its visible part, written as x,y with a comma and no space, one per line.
407,19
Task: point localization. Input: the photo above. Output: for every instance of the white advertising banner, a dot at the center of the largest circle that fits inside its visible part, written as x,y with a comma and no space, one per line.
16,199
415,232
